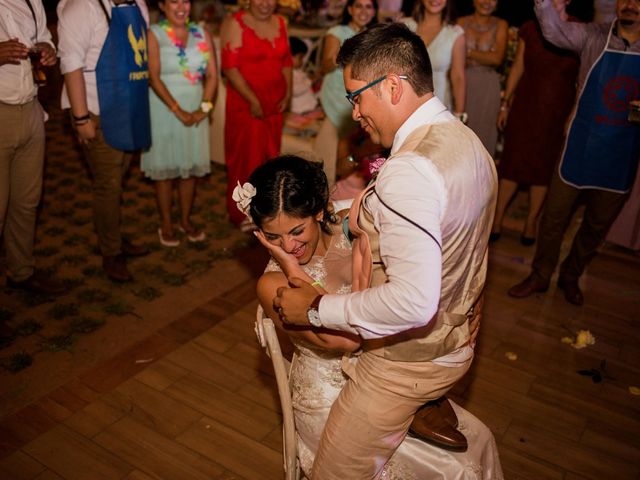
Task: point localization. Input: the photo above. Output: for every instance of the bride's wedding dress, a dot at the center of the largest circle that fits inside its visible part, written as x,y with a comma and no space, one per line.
316,379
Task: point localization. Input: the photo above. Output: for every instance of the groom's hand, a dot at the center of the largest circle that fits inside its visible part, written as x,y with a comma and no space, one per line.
292,303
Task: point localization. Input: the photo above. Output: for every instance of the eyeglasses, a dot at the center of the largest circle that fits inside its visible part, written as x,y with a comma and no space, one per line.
352,96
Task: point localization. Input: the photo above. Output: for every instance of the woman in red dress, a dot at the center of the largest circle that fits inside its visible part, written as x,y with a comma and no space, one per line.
256,61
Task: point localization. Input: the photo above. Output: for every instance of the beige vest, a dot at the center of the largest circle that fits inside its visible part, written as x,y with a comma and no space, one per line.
471,183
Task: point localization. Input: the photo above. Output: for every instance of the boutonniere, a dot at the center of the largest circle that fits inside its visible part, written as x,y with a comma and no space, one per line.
374,167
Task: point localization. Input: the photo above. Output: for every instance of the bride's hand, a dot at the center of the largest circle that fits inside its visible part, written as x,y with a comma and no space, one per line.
288,263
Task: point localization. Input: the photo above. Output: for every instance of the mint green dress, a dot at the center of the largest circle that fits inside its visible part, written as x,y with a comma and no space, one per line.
332,94
177,151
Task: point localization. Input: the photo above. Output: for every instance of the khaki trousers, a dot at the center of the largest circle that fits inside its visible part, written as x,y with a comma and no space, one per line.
108,167
601,209
372,414
22,147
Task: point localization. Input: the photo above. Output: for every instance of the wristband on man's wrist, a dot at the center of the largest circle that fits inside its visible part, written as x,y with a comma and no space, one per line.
81,118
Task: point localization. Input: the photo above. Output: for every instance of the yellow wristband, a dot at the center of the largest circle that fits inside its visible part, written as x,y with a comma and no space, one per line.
318,283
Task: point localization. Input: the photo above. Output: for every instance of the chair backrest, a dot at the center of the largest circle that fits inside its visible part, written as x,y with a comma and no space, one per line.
268,338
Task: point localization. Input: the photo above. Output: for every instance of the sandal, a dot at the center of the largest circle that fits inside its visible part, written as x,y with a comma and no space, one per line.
167,242
194,236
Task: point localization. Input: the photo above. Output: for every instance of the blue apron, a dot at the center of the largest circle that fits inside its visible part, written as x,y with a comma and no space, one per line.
602,147
122,77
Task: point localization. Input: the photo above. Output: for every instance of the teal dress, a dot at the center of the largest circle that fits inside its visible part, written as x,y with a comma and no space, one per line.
178,151
332,95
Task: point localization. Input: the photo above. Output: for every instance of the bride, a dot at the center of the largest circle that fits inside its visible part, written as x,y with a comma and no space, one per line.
288,200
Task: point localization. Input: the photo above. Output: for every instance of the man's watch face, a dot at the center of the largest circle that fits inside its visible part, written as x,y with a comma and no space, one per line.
314,317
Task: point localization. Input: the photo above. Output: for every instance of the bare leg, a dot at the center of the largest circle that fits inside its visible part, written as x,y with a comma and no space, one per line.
537,195
164,199
506,190
186,192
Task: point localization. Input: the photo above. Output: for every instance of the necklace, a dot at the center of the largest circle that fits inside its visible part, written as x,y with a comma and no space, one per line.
480,27
199,74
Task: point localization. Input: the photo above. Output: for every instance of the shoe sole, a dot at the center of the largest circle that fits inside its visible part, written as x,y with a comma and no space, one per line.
167,243
194,238
436,443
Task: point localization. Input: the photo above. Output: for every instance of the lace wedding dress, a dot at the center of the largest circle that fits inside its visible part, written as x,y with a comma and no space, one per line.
316,379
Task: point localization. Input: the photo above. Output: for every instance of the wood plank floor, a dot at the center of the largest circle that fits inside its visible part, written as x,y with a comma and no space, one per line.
207,408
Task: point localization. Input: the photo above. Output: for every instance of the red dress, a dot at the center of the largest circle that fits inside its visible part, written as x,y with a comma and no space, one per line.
250,141
543,99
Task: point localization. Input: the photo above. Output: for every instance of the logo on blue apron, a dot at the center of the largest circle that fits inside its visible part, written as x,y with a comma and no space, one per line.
616,96
602,147
139,46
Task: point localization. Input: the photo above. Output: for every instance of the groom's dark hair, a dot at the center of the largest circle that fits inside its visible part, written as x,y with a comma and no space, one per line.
388,48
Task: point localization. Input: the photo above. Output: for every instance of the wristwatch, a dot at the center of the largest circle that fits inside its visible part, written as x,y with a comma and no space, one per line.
312,312
206,107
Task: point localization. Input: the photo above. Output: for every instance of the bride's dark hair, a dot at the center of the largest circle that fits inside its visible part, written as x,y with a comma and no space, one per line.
293,186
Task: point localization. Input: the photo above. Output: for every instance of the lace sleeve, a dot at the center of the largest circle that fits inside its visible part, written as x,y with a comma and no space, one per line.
272,266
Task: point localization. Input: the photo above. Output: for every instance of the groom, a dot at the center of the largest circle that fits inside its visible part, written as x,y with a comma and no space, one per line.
421,243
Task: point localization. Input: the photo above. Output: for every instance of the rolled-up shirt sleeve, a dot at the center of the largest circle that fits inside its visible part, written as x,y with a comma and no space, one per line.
43,34
567,35
74,32
410,185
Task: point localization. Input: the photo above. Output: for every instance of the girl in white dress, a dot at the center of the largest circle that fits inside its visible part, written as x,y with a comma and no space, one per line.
288,200
446,47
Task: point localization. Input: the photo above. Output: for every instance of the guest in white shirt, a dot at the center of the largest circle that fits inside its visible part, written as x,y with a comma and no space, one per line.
83,30
419,255
23,27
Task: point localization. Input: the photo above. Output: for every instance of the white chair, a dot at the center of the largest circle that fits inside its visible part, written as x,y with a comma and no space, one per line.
268,338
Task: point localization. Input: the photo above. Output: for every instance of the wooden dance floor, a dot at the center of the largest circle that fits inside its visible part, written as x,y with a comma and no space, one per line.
183,391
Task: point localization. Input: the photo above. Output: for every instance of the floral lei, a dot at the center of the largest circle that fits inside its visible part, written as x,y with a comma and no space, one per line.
182,54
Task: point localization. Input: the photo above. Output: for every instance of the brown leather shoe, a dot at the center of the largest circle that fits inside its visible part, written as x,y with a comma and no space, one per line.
129,249
572,292
447,411
528,287
115,266
38,283
434,423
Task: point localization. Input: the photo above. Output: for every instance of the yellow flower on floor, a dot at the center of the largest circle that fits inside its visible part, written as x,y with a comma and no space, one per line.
511,356
584,339
634,390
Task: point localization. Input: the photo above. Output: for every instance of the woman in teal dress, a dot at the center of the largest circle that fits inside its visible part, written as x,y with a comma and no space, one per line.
358,15
183,78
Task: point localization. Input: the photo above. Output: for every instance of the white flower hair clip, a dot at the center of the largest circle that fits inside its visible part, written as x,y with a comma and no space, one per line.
242,195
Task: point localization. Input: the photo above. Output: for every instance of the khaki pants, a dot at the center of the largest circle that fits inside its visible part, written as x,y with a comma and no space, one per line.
601,210
372,414
108,167
22,146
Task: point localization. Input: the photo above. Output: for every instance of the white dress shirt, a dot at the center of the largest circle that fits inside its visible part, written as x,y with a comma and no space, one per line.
410,184
16,21
82,30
